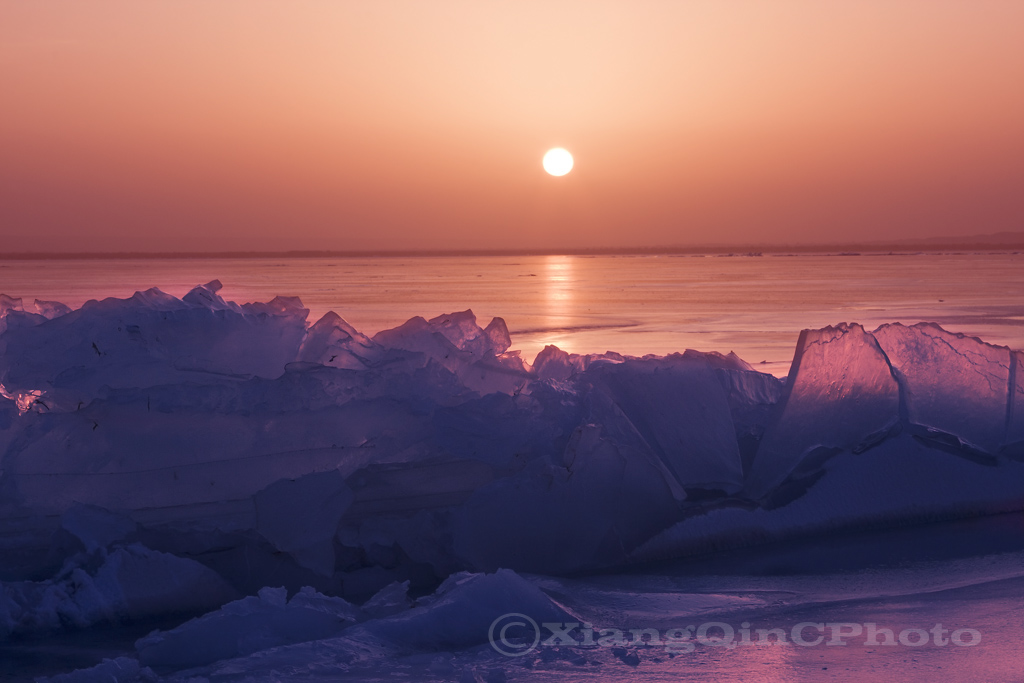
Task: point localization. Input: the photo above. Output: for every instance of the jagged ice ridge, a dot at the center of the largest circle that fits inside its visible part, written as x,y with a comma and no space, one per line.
230,447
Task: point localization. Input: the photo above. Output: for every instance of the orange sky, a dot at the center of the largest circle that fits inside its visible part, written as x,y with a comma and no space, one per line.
259,125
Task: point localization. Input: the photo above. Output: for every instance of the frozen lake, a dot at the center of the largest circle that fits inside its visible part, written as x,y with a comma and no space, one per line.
636,305
331,507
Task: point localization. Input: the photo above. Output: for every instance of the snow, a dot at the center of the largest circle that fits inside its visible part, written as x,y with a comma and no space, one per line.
168,456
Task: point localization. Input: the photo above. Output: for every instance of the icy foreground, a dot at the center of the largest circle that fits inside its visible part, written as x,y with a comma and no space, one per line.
170,456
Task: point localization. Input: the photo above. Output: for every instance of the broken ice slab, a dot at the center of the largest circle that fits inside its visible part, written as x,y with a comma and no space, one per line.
951,383
840,394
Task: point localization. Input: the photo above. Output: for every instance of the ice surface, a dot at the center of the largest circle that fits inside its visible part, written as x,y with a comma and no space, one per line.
248,625
586,509
554,363
840,394
119,670
95,527
164,455
457,615
51,309
300,517
149,339
1015,416
952,383
391,599
752,397
902,480
332,341
680,408
461,611
131,582
476,355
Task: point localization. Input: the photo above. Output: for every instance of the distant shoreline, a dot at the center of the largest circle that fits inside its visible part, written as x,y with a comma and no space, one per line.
763,250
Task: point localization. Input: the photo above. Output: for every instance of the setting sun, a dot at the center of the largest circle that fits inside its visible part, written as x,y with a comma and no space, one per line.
558,161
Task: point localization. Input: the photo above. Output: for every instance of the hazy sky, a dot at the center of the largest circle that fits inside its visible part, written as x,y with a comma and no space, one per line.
405,125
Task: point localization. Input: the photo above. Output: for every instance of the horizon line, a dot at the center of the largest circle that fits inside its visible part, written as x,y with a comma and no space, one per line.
903,246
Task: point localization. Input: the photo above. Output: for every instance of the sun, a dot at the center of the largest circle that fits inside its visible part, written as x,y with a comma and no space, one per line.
558,161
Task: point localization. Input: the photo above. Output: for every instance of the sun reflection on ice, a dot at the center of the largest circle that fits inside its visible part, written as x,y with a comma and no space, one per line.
559,299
